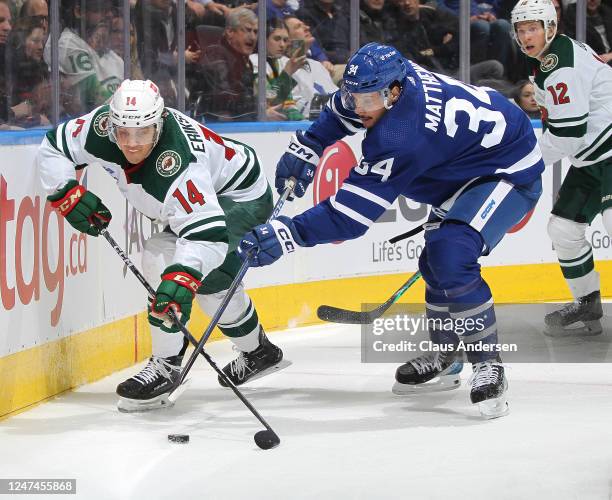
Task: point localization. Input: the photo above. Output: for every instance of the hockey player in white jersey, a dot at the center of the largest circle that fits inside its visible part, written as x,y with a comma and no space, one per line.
574,91
206,190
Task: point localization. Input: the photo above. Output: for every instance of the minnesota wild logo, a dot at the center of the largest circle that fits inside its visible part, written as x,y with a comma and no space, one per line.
549,62
100,124
168,163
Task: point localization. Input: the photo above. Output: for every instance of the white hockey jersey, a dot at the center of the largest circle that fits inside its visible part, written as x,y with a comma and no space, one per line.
77,61
574,90
177,185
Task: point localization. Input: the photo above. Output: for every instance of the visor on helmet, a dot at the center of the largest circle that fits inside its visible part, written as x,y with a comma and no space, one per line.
133,136
364,101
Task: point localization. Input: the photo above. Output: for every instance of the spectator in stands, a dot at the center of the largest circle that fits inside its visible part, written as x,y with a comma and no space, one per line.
375,23
279,72
330,25
7,112
313,88
524,97
29,70
88,73
429,36
116,44
490,37
599,27
228,80
35,12
560,23
299,30
314,82
279,9
155,22
206,9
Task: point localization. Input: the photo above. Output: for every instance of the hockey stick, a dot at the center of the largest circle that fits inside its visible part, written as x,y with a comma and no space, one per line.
407,234
336,315
264,439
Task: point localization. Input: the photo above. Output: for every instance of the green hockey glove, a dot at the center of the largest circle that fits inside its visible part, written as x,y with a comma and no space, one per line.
177,289
80,207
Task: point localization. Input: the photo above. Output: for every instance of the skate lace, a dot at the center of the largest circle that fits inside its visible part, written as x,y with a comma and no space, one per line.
239,365
570,308
424,364
155,367
485,373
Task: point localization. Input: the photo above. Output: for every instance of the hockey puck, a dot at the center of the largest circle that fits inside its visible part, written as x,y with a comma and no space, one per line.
178,438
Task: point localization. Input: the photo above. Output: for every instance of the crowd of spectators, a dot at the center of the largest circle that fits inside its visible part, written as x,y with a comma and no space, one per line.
307,44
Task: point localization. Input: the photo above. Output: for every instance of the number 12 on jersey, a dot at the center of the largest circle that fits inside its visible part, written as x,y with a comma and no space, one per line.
193,195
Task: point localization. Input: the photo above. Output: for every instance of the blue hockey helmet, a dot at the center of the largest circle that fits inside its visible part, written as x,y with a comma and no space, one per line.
373,68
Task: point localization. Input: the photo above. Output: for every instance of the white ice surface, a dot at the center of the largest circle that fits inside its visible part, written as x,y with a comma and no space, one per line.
344,435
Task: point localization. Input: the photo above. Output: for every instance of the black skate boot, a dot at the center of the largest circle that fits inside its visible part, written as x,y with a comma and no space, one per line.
251,365
429,373
148,389
488,388
582,317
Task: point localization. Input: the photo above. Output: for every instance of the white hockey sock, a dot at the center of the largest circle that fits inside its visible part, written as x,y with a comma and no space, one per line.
166,344
248,342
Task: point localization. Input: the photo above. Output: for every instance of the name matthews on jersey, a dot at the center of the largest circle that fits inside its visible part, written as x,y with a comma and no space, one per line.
430,84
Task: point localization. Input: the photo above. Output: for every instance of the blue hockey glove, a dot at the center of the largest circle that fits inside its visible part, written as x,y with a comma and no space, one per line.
267,243
299,161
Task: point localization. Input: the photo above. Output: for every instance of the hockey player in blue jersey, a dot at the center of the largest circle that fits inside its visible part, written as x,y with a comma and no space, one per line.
466,151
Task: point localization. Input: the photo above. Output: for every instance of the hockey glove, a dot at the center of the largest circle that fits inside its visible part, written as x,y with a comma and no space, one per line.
80,207
267,243
178,287
299,161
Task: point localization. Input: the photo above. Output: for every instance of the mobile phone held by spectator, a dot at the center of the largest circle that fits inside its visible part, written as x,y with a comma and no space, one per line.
297,47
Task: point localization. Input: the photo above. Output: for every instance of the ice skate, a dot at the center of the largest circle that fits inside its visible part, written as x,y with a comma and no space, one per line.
255,364
428,373
582,317
149,389
489,389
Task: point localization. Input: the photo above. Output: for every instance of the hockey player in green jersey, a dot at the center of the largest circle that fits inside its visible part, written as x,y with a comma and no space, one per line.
204,189
573,88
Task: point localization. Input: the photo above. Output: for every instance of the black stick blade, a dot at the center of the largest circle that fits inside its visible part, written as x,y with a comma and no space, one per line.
266,439
333,314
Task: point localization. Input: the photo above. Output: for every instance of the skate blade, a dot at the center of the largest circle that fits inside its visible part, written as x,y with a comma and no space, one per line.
281,365
439,384
494,408
587,329
126,405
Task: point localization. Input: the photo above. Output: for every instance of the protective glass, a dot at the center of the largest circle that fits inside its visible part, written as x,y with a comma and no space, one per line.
133,136
363,101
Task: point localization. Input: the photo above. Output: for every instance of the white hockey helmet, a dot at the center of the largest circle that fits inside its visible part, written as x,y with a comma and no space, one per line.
136,104
535,10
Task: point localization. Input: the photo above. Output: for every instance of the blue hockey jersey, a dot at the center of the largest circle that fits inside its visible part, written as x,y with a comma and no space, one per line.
438,137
